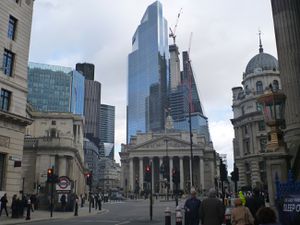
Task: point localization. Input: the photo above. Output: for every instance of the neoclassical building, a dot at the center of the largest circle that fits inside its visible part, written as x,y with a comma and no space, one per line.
53,140
171,149
250,131
15,30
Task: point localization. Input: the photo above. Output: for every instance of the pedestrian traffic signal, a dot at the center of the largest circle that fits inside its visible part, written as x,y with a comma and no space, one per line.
175,176
89,178
148,174
50,175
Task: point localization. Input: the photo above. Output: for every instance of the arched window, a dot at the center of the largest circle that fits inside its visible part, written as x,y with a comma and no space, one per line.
259,87
53,132
275,85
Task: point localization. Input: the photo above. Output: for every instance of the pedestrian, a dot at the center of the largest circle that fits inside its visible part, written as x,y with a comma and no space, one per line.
14,207
63,202
255,202
212,209
81,200
3,201
192,206
241,215
266,215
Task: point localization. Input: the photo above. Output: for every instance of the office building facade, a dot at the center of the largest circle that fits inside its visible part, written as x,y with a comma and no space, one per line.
148,73
107,129
55,88
87,70
92,108
15,30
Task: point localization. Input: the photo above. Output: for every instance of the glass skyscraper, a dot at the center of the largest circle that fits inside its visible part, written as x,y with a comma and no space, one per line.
148,73
55,88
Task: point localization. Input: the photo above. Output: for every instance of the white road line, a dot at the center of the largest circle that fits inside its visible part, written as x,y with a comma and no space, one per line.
125,222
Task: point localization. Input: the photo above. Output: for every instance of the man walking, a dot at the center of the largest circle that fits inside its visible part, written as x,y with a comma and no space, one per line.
212,210
4,204
192,206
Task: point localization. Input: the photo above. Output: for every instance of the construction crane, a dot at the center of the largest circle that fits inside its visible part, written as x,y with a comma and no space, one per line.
173,32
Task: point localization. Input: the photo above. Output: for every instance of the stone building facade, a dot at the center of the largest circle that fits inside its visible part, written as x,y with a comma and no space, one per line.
171,149
15,30
53,140
110,172
250,131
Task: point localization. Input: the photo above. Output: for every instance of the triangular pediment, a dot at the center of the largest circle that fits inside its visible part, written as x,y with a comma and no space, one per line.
162,142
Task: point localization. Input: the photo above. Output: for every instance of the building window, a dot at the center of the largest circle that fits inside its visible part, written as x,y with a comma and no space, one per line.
263,144
259,107
5,99
259,87
246,130
246,147
53,122
8,61
261,125
12,25
275,85
248,173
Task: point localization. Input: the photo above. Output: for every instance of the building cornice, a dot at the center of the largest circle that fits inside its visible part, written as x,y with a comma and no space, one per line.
14,118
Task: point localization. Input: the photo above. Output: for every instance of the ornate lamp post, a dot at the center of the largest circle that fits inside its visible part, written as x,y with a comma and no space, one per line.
273,103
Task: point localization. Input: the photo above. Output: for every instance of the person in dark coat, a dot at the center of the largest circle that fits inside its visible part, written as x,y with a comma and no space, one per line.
192,206
4,204
63,202
254,203
212,210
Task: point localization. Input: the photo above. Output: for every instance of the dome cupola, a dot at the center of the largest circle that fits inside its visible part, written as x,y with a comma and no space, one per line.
261,62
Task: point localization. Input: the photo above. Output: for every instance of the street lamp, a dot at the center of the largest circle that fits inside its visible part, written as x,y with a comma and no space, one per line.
273,103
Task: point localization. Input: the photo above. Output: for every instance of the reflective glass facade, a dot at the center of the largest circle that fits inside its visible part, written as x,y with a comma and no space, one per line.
55,88
147,73
77,102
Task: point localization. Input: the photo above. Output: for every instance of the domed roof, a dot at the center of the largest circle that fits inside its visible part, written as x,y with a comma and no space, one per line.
262,61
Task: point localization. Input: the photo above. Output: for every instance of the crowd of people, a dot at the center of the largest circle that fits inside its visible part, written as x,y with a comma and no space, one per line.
249,210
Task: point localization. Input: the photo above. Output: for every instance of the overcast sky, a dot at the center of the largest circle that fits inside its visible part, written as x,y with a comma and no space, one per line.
225,38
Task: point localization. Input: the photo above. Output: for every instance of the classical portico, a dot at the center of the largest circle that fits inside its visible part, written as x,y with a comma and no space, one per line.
165,151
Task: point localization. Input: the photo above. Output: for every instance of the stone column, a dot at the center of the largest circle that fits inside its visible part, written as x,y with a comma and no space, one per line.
170,169
181,173
152,172
131,174
201,166
141,176
160,175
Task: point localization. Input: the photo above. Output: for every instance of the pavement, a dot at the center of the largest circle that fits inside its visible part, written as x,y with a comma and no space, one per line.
40,215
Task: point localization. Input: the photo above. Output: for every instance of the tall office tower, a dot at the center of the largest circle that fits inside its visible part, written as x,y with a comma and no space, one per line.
183,96
92,108
286,15
147,73
55,88
15,30
87,69
107,129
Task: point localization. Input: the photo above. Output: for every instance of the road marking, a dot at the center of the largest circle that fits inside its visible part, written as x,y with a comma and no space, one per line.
125,222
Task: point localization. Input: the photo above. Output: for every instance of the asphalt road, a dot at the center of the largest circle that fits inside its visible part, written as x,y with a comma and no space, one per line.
132,212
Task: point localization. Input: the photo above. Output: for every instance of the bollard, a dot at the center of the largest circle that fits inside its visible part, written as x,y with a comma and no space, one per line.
28,209
167,216
178,216
100,204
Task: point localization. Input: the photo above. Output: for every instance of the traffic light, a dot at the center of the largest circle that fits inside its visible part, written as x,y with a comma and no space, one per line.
148,174
89,178
50,175
175,176
223,171
235,174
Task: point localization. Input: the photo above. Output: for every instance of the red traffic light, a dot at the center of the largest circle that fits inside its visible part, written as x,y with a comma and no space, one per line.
148,169
50,171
